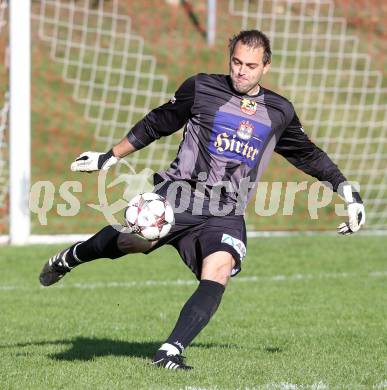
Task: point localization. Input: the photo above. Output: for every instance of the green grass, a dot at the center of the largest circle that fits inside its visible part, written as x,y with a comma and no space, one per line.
307,311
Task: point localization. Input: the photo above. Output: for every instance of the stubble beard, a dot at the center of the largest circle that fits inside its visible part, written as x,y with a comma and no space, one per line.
249,89
246,89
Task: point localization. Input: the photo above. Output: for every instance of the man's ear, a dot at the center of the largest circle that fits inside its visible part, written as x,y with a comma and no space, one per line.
266,68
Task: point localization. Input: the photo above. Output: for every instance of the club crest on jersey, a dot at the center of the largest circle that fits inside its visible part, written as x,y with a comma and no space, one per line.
248,106
245,130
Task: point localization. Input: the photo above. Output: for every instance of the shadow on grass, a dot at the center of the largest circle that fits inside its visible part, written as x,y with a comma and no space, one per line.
84,348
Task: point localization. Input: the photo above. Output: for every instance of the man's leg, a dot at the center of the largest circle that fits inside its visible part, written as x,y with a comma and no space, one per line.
107,243
198,310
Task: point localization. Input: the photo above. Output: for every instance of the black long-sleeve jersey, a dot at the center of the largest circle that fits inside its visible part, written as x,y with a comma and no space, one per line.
229,137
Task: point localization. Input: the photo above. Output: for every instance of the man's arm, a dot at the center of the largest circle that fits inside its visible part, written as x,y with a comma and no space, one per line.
166,119
300,151
162,121
123,148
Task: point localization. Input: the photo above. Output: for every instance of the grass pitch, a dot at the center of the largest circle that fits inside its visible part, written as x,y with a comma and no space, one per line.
306,312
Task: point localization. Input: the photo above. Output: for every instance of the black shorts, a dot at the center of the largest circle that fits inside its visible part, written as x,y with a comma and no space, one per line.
197,236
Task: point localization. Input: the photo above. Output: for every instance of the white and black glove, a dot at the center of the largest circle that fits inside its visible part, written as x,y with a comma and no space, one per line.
356,212
94,161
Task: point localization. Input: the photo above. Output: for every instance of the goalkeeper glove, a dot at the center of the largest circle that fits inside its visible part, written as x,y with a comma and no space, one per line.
356,212
94,161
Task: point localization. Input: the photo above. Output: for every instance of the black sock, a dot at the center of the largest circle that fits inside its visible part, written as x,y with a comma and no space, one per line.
102,245
196,313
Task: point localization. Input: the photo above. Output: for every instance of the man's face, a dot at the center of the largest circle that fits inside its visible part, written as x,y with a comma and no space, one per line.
247,68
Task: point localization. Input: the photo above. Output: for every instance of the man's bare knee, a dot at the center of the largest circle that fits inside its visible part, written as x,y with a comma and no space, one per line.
217,267
132,243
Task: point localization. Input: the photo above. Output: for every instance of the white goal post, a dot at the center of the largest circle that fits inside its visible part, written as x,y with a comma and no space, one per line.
19,120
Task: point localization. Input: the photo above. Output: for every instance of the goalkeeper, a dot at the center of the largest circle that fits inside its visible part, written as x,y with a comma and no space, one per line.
232,126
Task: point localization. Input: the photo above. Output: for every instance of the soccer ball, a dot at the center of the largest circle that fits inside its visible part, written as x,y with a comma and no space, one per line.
149,215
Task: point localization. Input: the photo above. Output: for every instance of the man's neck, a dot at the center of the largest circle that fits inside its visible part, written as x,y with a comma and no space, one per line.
254,91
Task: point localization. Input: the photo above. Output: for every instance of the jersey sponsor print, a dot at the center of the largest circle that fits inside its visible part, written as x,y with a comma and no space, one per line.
235,137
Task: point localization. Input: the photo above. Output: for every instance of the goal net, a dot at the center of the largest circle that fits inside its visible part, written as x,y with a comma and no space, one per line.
100,66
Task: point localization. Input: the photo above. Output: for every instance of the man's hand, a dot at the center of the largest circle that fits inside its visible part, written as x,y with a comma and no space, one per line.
94,161
356,216
356,212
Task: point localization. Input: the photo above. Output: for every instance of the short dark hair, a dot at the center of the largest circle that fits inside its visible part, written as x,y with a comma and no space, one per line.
254,39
